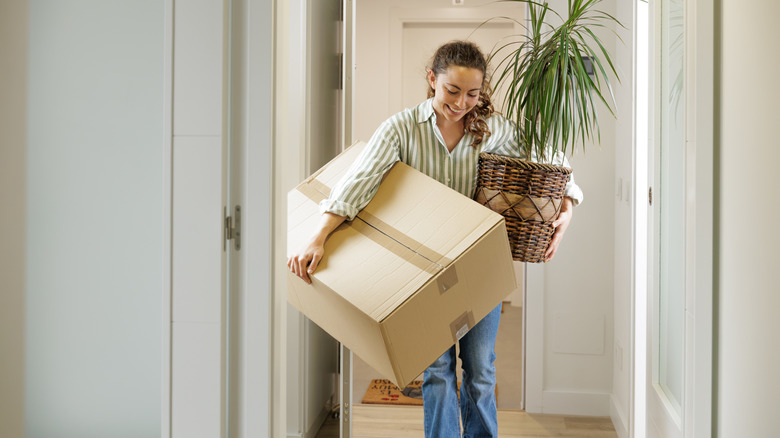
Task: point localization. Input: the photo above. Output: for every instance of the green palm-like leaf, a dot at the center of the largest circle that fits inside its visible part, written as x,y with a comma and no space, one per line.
549,94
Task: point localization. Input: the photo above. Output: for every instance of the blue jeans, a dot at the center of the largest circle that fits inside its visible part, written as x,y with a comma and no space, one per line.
477,390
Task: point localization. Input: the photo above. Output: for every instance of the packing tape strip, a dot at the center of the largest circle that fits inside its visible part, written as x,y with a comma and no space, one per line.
320,187
462,325
314,190
447,279
393,246
405,240
318,192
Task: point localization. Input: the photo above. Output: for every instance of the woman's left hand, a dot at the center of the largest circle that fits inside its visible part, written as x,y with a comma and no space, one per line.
560,226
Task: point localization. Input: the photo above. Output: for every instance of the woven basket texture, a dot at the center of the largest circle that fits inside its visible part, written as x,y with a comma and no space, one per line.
529,196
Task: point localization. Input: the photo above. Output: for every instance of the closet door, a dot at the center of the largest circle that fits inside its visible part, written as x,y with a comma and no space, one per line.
198,322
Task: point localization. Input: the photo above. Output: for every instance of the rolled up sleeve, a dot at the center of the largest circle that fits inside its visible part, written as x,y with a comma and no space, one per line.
359,185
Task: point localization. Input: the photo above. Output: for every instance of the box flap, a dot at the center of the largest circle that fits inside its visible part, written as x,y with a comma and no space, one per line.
427,216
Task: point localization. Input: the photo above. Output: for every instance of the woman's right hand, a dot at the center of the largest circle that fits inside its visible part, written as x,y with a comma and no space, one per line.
305,261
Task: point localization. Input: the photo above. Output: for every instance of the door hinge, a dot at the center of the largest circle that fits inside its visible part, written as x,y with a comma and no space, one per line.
233,228
650,196
345,412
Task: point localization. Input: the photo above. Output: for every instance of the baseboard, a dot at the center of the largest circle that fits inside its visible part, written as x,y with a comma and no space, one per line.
315,427
595,404
619,419
318,422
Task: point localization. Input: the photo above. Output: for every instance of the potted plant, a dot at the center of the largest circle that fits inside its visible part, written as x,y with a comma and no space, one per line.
553,77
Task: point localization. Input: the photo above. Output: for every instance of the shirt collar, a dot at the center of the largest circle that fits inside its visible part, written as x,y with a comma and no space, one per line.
426,111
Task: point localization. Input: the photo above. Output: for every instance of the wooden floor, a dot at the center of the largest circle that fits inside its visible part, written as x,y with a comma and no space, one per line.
375,421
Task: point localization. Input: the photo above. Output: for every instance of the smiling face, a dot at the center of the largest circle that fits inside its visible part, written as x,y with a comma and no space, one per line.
456,92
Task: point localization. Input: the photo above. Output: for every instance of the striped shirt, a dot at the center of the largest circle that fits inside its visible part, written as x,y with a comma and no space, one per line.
413,138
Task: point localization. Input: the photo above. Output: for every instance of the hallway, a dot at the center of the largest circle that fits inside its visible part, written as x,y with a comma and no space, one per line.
113,303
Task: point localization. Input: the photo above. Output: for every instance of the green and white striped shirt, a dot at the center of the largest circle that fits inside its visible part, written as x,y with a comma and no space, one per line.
412,137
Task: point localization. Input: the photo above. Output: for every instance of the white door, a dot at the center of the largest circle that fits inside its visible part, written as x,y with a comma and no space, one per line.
415,35
668,286
421,38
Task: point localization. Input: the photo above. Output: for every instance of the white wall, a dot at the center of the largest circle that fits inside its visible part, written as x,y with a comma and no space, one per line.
578,292
579,282
95,219
13,124
747,236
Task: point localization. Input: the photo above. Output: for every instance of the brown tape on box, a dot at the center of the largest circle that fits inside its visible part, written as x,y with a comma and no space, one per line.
405,240
393,246
462,325
313,192
319,186
373,227
447,280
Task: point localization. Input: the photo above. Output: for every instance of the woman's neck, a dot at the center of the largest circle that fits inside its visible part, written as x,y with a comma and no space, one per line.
448,125
450,131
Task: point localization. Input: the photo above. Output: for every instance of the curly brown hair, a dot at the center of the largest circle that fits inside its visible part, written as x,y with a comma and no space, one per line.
467,54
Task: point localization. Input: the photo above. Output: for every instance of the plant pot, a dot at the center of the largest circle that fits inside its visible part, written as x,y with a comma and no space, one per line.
529,195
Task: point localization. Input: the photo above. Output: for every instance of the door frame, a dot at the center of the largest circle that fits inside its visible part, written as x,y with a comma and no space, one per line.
253,394
700,61
289,159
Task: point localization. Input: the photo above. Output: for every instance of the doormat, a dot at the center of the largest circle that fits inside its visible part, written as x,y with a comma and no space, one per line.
385,392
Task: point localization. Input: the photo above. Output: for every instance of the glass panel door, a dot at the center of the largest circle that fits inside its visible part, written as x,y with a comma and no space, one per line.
671,262
665,394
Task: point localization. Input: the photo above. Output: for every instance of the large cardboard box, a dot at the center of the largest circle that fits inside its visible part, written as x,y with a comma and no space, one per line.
418,267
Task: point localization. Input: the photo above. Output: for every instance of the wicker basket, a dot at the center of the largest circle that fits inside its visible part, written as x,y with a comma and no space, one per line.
529,196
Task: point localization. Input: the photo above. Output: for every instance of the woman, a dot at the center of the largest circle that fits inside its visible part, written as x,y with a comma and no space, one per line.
441,137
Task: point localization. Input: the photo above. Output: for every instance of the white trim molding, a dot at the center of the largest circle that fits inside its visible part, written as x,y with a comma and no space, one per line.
167,260
534,345
594,404
619,418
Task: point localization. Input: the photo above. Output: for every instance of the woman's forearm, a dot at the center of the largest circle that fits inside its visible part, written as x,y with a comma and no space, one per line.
328,223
